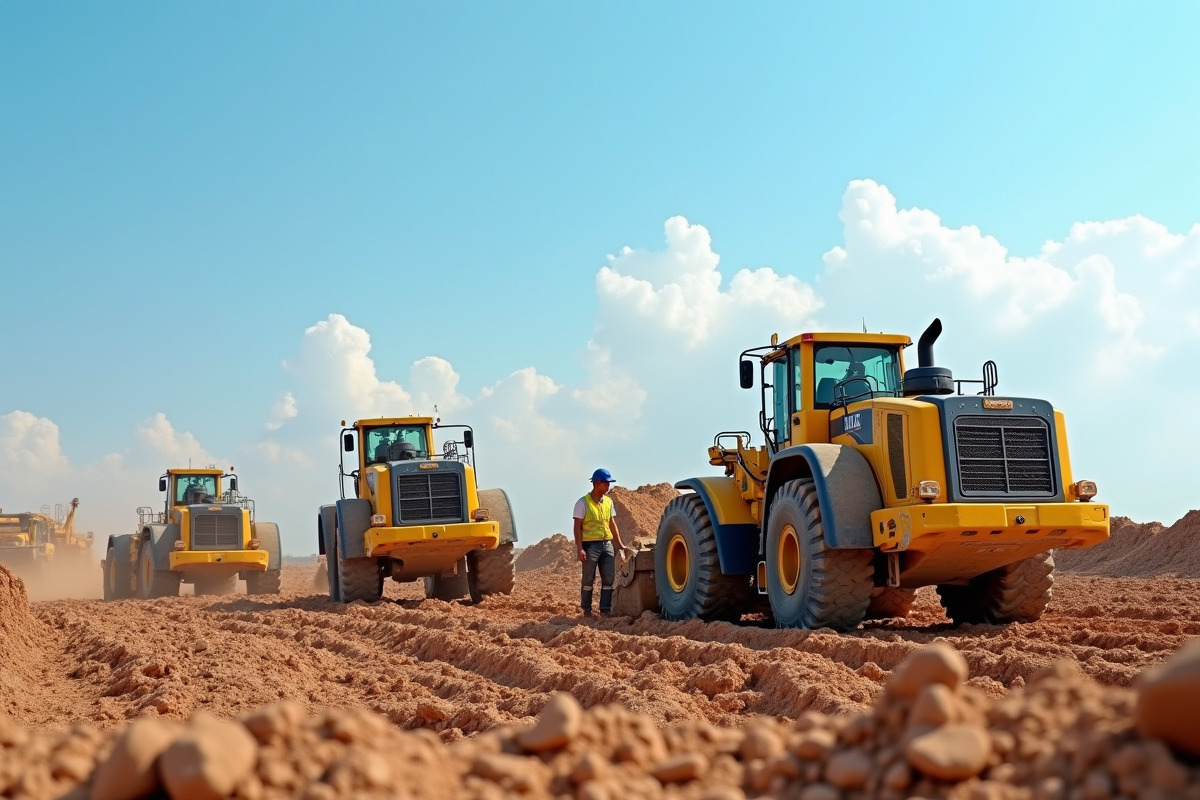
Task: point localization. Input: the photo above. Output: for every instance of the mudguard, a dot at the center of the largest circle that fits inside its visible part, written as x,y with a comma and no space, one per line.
326,522
846,490
735,530
353,520
162,540
496,501
267,534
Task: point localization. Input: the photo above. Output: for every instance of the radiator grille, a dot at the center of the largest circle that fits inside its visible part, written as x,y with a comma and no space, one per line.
428,497
217,532
895,443
1007,456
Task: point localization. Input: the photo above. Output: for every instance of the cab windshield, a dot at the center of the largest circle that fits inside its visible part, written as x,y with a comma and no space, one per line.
848,372
395,443
194,489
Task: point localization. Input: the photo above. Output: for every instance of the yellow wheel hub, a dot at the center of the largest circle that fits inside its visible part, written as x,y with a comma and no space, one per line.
787,561
679,562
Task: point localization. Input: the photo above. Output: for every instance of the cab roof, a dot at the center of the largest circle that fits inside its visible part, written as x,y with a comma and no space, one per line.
195,471
373,422
850,338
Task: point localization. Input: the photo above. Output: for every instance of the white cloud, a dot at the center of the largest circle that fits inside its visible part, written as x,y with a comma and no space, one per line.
176,448
29,443
284,409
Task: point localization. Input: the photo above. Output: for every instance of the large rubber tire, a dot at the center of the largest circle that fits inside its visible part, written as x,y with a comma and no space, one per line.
496,570
810,584
449,587
118,572
889,603
331,556
359,579
687,570
263,582
154,583
1018,592
215,586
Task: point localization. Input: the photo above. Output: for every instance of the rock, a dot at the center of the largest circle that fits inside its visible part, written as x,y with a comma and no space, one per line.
511,772
952,752
936,705
814,744
849,769
588,768
129,771
556,726
761,742
1168,701
687,767
208,759
936,663
820,791
275,720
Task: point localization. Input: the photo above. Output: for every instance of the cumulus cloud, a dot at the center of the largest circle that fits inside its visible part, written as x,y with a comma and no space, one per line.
283,410
29,443
174,447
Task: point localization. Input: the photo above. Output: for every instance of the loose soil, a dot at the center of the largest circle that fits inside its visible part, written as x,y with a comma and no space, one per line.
465,680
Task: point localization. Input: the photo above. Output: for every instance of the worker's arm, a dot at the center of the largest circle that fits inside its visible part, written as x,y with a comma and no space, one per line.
579,540
612,525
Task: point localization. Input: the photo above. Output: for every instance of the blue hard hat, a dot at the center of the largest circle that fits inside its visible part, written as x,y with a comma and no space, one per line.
603,475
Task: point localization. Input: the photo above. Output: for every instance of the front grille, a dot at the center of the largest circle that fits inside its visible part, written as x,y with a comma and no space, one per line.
217,532
895,443
428,497
1008,456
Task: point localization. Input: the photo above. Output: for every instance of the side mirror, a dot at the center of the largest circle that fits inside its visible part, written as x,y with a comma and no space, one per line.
233,483
468,438
348,442
162,484
746,370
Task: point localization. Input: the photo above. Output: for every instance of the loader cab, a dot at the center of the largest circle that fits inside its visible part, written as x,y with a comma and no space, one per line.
809,376
193,487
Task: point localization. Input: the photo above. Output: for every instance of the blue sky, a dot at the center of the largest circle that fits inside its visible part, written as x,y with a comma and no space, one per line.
188,192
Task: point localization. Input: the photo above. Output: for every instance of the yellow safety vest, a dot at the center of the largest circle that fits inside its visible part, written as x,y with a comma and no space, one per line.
596,517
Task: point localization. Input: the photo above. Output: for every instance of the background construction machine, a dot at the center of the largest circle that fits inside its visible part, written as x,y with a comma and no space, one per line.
70,547
203,536
416,515
873,481
26,543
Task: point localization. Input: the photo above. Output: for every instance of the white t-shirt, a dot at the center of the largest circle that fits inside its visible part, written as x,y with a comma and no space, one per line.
581,510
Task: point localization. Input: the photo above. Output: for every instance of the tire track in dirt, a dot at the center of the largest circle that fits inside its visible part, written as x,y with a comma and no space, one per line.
459,669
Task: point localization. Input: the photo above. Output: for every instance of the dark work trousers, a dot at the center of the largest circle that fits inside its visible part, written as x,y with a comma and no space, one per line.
600,554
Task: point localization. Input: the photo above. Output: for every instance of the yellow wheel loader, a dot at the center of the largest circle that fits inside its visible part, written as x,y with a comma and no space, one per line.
873,480
26,543
417,514
72,549
206,535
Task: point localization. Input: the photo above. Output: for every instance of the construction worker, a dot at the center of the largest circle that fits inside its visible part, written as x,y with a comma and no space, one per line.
595,534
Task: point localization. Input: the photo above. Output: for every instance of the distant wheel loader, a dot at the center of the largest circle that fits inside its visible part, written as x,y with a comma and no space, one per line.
26,543
873,481
203,536
417,514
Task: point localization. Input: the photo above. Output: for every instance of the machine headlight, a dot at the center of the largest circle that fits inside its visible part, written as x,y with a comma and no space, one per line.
378,520
179,545
929,491
1084,490
481,515
255,544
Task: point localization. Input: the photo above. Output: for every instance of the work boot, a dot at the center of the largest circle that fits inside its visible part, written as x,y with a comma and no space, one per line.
585,601
606,600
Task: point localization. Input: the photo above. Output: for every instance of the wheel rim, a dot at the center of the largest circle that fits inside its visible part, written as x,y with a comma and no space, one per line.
678,563
787,562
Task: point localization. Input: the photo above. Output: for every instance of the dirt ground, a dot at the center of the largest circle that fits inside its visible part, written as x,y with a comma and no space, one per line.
75,672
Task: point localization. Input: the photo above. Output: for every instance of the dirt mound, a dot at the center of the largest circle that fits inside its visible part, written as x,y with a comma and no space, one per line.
930,734
1140,550
22,644
639,510
556,553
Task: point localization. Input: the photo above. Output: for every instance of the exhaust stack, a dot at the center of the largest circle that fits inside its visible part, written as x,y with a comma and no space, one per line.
927,378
